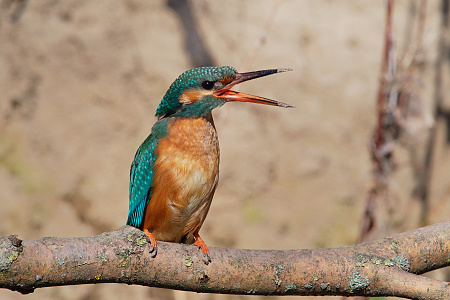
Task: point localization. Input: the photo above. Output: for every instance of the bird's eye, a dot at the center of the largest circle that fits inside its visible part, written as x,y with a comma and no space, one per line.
207,85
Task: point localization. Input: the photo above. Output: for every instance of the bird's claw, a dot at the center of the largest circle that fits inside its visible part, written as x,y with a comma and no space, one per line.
201,245
154,247
153,251
207,259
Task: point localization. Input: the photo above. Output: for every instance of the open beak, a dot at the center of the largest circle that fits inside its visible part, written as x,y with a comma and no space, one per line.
229,95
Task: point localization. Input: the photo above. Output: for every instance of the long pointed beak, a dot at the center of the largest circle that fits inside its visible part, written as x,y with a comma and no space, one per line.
229,95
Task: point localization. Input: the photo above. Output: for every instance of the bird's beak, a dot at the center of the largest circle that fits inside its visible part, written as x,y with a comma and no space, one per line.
229,95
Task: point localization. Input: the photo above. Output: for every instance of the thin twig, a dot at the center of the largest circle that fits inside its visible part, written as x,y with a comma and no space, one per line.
386,127
442,62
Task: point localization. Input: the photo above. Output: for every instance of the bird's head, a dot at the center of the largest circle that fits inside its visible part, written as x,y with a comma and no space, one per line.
198,91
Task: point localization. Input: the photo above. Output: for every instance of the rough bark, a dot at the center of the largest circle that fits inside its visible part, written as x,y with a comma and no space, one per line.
386,267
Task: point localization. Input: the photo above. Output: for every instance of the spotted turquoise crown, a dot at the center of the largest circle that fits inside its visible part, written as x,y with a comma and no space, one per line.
191,79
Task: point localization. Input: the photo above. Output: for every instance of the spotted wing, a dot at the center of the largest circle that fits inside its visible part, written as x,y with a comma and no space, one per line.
141,179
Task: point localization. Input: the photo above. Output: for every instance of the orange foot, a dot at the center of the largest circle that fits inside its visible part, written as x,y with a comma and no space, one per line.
152,241
201,244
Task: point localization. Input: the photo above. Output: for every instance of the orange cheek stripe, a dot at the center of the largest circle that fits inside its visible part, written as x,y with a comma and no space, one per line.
193,95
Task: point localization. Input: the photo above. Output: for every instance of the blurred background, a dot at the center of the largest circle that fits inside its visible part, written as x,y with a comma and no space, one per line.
80,82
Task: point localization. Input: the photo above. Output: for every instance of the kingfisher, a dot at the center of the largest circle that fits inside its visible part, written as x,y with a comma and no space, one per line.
176,169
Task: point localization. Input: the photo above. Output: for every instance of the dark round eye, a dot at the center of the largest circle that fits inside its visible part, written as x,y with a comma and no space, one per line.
207,85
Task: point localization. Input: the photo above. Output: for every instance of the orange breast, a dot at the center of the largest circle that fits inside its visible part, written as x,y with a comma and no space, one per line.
186,176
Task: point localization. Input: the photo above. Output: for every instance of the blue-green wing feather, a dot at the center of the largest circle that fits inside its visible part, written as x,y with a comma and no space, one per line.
141,174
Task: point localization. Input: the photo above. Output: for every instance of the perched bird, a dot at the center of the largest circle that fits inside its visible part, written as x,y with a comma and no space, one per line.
176,169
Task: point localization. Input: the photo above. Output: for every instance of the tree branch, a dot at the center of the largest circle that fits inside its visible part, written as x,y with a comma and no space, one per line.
386,267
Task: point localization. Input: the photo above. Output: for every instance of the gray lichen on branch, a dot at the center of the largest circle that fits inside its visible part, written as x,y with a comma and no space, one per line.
385,267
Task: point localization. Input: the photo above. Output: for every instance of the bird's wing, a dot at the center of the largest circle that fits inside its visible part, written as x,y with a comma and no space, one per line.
141,179
141,174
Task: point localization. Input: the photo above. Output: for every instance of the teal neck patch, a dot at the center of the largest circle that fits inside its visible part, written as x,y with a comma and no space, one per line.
200,108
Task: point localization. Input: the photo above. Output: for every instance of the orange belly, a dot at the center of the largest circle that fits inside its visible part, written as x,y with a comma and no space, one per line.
185,178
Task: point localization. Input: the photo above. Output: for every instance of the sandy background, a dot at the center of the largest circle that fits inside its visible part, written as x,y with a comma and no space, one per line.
80,82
